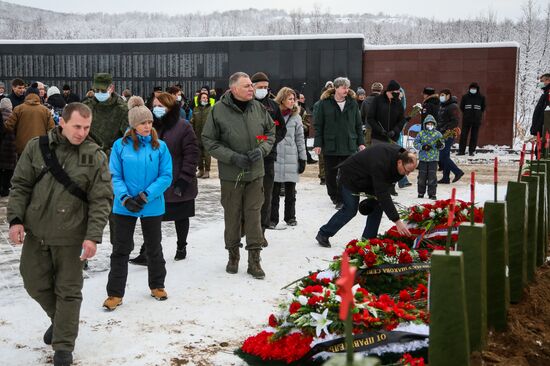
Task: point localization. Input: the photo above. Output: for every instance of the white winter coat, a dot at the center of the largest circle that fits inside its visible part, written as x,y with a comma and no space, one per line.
290,149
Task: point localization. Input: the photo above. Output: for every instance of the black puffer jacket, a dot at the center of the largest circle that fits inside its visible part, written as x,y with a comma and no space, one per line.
373,171
448,116
385,116
472,106
280,128
430,105
538,113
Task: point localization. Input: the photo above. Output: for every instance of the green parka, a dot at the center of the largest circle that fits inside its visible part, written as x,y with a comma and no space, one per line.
337,132
198,120
229,131
46,209
109,120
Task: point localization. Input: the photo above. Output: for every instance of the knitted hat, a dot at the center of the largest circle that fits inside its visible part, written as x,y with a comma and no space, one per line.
259,76
5,103
393,86
377,87
428,91
32,90
430,119
52,90
138,112
361,91
66,87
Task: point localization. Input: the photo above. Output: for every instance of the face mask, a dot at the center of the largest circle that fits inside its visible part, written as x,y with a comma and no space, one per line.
442,99
260,93
101,97
204,103
395,96
540,85
429,127
159,111
178,98
473,91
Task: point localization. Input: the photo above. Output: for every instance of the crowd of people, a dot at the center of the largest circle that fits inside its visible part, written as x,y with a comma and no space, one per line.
75,165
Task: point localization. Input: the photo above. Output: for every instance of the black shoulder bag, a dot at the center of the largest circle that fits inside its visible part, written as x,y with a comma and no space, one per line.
57,171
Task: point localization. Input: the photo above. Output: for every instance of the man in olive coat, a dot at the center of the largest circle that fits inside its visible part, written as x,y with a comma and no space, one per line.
239,133
338,131
60,229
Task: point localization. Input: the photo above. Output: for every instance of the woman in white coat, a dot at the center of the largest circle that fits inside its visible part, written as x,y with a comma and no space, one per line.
291,158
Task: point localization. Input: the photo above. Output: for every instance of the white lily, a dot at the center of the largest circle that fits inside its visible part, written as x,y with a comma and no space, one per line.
302,299
320,322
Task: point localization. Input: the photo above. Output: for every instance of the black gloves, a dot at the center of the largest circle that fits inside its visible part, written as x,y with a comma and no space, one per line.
391,134
255,155
426,147
141,199
131,204
301,166
241,160
180,187
439,144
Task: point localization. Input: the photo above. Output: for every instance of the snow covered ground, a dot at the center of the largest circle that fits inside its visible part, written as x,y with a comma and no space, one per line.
209,312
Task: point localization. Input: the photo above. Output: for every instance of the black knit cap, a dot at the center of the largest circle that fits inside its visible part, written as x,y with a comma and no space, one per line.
259,76
66,87
393,86
428,90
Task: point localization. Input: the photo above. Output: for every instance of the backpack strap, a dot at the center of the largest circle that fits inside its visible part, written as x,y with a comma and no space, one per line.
57,171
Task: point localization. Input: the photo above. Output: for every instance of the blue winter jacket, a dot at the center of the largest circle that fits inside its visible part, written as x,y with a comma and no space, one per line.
145,170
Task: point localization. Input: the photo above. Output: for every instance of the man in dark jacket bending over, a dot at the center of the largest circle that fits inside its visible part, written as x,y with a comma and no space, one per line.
373,171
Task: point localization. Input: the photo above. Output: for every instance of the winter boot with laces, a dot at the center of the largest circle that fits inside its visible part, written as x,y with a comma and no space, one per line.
112,302
254,267
233,262
159,294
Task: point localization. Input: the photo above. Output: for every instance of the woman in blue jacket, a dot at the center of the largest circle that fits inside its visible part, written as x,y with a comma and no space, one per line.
141,167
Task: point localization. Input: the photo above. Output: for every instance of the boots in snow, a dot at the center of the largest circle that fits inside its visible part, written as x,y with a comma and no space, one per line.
206,174
159,294
62,358
48,335
112,302
254,267
181,252
233,263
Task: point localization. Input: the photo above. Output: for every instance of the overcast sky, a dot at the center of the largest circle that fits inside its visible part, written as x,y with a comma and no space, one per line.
438,9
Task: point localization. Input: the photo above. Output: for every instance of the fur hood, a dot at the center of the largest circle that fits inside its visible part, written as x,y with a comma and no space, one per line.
330,92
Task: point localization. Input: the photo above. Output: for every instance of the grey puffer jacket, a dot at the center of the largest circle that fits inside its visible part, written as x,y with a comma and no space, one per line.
290,149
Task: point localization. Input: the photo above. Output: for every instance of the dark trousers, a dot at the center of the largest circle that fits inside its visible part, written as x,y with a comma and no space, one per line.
427,176
290,201
123,246
269,169
348,212
52,275
5,184
204,159
182,230
331,173
242,203
467,126
446,162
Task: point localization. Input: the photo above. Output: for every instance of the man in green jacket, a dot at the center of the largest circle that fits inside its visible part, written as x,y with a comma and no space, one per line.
338,131
58,229
240,133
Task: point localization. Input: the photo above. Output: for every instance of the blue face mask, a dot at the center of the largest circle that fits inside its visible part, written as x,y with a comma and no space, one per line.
101,97
159,111
442,99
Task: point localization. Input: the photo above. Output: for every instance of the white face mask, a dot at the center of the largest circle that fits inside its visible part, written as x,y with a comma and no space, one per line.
540,85
203,103
178,98
260,93
473,91
442,99
429,127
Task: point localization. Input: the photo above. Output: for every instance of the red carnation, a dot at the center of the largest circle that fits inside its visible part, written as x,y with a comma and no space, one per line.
390,250
423,254
404,295
294,307
405,257
272,321
370,259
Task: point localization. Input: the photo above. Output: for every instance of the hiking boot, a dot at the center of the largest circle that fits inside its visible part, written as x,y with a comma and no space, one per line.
140,260
48,335
433,198
254,267
420,195
322,240
159,294
62,358
233,262
200,174
180,254
206,174
112,303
